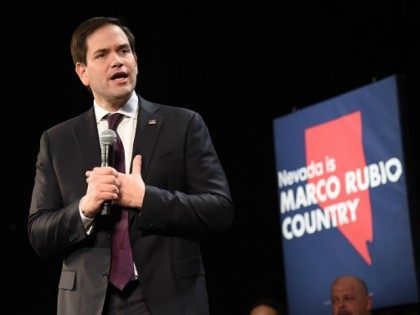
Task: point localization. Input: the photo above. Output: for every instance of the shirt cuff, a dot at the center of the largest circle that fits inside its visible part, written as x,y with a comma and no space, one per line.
87,222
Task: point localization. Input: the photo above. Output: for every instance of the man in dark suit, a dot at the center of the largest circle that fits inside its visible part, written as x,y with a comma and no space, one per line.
173,190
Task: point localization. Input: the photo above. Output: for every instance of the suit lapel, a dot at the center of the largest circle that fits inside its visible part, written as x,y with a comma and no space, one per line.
147,130
148,127
86,134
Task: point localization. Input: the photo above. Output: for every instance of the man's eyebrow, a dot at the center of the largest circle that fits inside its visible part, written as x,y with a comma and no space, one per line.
100,50
124,46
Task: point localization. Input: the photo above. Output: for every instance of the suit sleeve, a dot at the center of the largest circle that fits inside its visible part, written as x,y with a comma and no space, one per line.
205,205
52,228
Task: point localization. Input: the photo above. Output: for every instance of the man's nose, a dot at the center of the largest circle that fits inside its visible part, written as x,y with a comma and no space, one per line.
116,60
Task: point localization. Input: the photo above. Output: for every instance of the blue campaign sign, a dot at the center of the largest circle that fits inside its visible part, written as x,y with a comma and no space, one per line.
343,199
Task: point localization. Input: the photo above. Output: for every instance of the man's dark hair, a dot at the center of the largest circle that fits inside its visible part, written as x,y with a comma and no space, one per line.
78,46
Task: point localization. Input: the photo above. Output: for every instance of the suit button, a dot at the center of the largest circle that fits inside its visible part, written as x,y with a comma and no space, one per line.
108,236
105,274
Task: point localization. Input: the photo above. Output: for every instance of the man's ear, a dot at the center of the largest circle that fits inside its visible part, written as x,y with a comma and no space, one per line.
81,72
369,303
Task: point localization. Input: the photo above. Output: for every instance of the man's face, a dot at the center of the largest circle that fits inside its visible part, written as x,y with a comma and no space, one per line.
349,298
111,65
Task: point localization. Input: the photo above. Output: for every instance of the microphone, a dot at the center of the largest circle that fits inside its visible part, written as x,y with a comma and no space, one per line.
107,139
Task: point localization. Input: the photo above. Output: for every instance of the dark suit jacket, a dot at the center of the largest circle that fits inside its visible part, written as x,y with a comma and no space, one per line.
186,194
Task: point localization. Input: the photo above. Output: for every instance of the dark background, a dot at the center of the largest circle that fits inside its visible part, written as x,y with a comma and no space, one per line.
238,63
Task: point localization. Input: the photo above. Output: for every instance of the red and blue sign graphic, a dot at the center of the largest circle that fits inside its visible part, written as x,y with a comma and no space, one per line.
343,199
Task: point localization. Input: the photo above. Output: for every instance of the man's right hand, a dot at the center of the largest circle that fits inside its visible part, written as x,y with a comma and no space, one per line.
103,185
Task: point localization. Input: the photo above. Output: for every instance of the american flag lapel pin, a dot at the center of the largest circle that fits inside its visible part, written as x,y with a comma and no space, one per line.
152,122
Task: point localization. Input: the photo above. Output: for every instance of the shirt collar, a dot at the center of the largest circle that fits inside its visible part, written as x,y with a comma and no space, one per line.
129,109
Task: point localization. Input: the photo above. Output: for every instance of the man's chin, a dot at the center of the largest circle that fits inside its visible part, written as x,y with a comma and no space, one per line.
344,312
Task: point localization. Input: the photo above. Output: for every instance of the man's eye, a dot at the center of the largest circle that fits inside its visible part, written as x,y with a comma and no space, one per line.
346,298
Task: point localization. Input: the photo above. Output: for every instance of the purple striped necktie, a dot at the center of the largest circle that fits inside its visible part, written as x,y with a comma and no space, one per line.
122,268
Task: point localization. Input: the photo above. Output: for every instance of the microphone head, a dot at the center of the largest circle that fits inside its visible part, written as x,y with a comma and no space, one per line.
108,137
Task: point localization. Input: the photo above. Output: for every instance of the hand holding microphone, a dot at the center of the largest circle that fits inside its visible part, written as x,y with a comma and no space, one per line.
107,139
98,178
